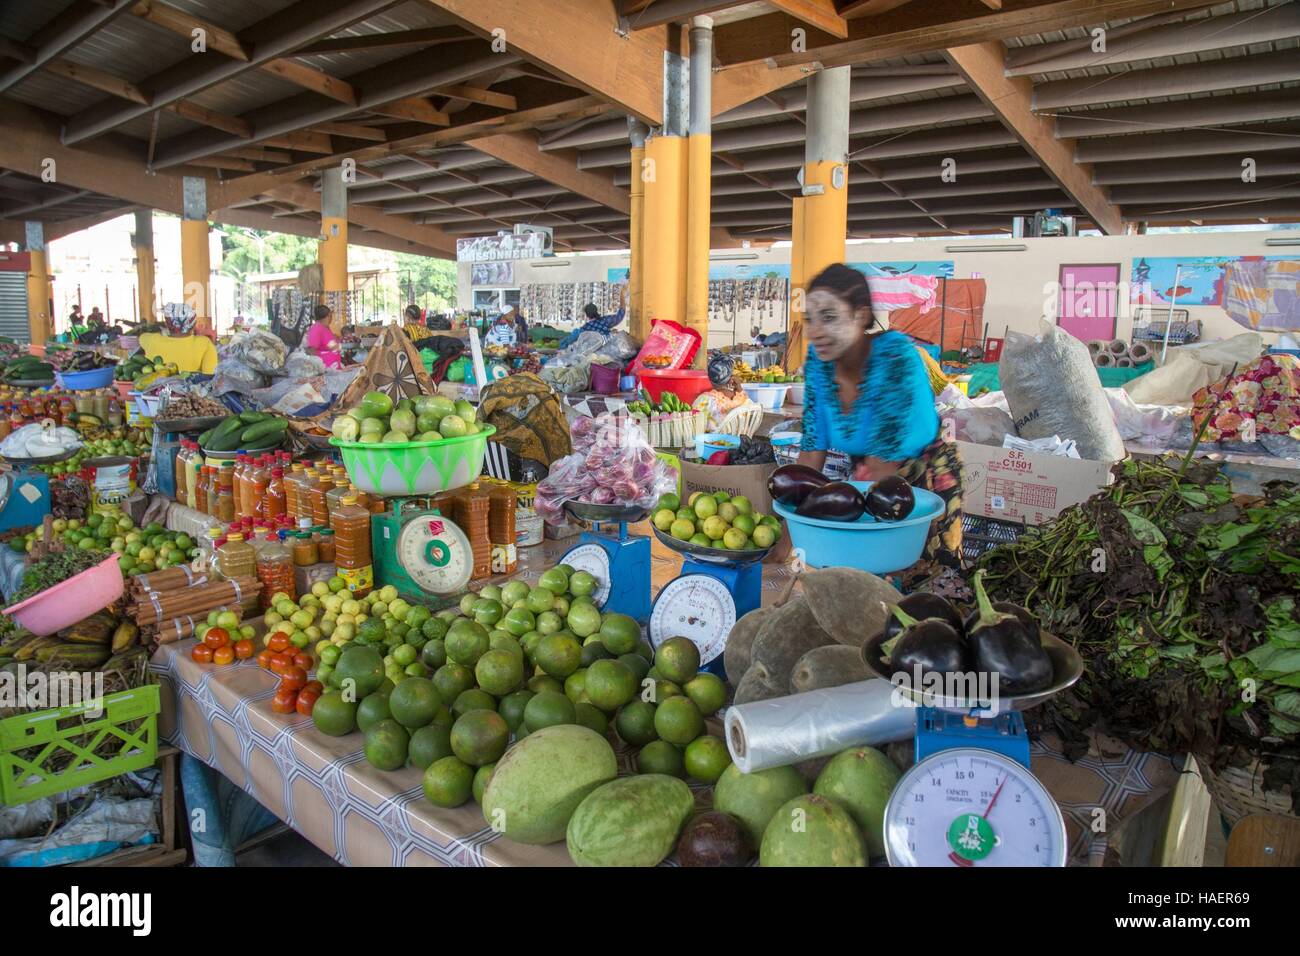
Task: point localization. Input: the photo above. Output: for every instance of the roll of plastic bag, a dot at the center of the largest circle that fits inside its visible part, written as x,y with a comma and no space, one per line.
1097,346
1139,352
1117,347
786,730
1104,360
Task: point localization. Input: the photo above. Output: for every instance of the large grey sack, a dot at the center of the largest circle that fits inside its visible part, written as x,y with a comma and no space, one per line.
1052,388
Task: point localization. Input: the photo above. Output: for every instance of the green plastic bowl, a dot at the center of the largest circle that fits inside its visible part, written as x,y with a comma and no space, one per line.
415,467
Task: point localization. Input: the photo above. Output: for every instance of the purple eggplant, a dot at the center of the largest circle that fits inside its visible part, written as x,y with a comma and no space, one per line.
1002,645
890,499
834,501
922,605
790,484
1006,607
930,645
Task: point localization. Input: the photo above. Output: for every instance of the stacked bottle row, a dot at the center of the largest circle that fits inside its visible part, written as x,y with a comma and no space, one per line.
60,406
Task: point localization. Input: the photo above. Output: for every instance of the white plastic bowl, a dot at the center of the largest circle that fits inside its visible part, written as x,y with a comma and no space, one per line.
770,395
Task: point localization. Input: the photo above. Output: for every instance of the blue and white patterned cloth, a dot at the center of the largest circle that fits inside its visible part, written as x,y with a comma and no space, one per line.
893,417
604,325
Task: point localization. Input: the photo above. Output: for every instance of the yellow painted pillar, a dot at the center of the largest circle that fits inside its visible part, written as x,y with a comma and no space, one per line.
144,264
40,325
795,346
664,229
196,266
699,186
638,324
818,240
333,251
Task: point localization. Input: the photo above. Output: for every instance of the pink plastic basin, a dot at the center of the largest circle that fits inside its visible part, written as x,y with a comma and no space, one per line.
72,600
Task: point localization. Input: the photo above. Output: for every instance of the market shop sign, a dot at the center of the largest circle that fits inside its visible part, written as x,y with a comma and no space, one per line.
526,242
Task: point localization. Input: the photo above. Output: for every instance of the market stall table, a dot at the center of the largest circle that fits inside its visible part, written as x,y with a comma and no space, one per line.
324,788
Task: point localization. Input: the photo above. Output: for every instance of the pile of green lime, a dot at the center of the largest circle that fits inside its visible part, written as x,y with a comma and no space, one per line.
141,550
423,418
448,691
716,520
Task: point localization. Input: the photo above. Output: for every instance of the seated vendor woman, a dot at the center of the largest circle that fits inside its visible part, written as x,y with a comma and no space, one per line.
868,395
179,344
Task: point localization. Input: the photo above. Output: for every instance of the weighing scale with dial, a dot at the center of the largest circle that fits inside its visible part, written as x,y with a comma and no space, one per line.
970,799
420,552
714,589
620,563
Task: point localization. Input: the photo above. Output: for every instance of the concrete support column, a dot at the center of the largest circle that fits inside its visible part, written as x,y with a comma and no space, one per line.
665,180
144,265
638,324
196,267
699,182
333,251
40,323
825,204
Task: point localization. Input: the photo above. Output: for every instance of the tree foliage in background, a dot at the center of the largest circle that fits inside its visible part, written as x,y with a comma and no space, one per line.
243,254
434,280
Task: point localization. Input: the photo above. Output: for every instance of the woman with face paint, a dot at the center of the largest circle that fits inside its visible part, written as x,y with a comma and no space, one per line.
868,395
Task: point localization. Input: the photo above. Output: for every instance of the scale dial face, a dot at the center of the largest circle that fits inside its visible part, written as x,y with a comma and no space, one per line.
697,606
970,807
593,559
435,553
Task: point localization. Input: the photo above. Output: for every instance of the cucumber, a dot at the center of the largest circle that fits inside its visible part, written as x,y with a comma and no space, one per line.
273,430
252,418
205,438
230,426
229,442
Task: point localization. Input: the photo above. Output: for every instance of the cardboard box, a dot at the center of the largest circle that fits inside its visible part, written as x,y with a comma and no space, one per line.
1019,486
747,480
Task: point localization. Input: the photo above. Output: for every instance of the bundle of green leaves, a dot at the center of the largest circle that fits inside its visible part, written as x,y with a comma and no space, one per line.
1182,599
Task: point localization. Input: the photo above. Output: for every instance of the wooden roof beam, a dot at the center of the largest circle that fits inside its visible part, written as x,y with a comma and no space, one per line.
1160,35
560,167
61,34
410,76
1011,99
268,39
185,24
918,28
429,36
579,42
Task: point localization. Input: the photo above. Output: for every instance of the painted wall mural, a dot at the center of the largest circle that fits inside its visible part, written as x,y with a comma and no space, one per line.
1200,279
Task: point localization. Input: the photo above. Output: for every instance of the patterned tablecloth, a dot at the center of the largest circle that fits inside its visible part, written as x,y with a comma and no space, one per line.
324,788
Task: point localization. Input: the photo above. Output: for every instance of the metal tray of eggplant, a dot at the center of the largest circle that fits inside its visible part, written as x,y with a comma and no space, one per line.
1067,668
711,555
606,514
190,424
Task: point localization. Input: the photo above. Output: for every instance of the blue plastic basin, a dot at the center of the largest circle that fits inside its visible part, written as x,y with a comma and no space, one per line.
880,547
710,442
95,378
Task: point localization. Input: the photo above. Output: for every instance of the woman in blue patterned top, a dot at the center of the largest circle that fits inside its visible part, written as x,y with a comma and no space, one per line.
867,395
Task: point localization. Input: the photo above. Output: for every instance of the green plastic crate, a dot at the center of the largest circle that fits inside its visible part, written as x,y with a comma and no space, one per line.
129,720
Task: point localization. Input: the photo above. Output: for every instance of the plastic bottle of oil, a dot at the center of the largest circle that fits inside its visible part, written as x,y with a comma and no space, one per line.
352,556
236,558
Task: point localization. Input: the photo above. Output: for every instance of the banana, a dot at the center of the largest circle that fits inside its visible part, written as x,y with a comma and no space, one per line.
75,655
30,649
95,629
124,636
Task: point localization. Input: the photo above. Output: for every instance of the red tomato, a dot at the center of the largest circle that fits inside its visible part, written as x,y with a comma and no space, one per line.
304,660
284,701
294,677
315,686
223,655
244,649
264,658
279,641
306,701
216,637
279,662
201,654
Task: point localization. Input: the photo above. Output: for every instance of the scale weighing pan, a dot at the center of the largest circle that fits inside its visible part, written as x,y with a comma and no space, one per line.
606,514
1067,668
14,460
711,555
201,424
